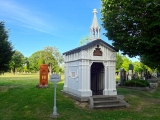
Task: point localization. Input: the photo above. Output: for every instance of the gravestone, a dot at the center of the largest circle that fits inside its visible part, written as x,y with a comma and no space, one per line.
122,76
43,76
136,75
142,75
130,71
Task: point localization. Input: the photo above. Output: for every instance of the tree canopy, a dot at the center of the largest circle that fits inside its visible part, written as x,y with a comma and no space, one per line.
133,26
6,48
49,55
84,40
119,61
16,61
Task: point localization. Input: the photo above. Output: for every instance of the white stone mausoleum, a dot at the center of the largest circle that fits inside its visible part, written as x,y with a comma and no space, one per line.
90,69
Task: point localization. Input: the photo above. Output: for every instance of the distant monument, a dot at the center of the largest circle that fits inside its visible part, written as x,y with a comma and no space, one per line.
130,71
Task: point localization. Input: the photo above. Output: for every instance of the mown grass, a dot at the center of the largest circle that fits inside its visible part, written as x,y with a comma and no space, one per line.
21,100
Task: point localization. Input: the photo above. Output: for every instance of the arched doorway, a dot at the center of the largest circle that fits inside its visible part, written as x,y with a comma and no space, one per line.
97,78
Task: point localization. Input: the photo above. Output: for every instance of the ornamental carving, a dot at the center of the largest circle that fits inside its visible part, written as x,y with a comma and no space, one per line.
97,51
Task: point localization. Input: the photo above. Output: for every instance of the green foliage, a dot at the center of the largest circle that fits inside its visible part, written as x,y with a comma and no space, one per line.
126,63
50,56
136,83
6,48
149,61
21,100
84,40
53,58
133,26
138,67
34,61
119,62
17,60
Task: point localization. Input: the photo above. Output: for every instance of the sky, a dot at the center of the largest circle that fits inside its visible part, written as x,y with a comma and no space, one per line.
35,24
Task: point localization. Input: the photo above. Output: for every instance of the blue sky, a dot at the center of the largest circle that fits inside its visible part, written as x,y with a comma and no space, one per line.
35,24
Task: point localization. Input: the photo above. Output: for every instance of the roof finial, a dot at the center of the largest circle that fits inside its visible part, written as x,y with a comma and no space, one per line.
94,11
95,29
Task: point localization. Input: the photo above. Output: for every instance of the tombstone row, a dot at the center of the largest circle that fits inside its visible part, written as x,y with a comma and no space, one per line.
143,75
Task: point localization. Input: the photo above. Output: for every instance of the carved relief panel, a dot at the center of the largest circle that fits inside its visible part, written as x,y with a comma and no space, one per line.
97,51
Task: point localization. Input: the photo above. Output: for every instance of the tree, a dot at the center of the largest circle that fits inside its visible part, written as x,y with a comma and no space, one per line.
149,61
34,61
49,59
25,66
6,49
53,58
50,56
16,61
84,40
126,63
138,67
119,62
133,26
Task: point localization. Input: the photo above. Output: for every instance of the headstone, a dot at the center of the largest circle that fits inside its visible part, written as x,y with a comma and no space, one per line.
122,76
130,71
136,75
141,75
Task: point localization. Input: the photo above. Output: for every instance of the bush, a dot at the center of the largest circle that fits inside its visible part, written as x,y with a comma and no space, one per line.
137,83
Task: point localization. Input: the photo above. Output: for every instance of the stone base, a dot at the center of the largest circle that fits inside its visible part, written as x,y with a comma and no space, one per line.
65,88
109,92
85,93
42,86
76,97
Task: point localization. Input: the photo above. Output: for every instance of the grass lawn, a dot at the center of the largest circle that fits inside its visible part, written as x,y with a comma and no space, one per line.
21,100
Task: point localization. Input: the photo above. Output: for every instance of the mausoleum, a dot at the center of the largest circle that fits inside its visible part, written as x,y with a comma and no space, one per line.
90,69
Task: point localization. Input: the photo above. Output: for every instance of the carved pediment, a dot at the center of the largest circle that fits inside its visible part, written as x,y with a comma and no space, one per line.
97,51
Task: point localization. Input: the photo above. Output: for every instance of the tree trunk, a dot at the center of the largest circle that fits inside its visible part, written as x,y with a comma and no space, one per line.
14,70
50,70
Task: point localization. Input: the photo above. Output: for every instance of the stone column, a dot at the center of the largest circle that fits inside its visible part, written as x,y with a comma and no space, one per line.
105,91
110,81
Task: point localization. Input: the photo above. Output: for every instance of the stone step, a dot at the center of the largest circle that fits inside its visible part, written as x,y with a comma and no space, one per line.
110,106
106,102
103,98
103,101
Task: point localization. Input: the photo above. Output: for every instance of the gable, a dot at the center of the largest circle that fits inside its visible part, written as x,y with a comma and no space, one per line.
97,50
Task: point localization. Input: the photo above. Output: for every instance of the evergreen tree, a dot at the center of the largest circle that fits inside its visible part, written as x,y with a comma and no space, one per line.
6,49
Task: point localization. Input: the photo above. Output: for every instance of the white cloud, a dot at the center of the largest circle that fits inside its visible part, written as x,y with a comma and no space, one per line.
25,17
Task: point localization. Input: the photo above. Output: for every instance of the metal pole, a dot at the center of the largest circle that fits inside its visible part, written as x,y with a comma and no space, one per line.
55,114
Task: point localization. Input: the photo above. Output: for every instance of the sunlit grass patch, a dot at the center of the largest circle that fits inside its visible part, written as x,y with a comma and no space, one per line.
22,100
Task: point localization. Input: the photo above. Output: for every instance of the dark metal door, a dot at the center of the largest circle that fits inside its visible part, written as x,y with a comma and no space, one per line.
97,78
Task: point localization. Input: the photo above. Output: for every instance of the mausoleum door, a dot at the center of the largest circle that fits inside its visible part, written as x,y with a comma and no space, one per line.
97,78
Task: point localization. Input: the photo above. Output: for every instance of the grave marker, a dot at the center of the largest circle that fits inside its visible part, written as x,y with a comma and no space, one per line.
130,71
43,75
55,78
122,76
